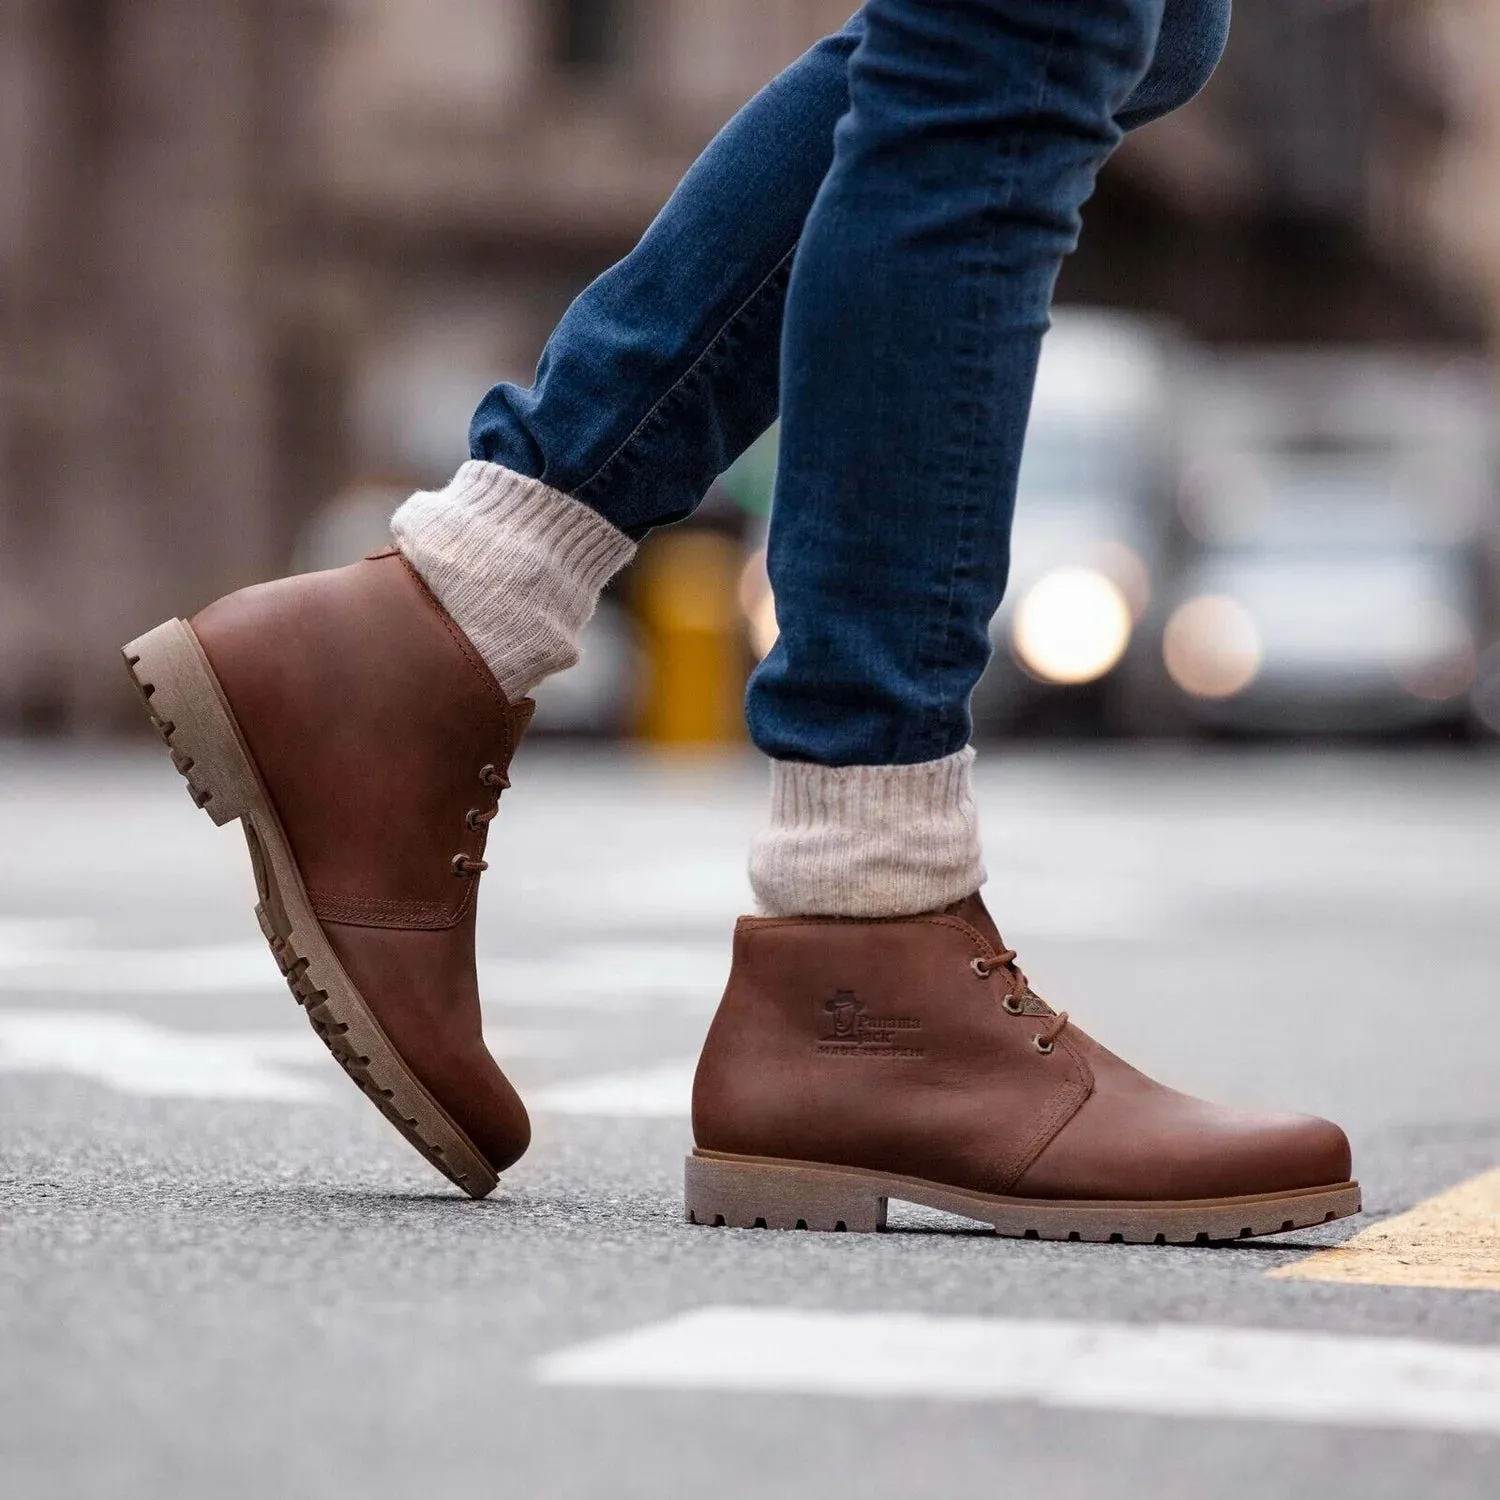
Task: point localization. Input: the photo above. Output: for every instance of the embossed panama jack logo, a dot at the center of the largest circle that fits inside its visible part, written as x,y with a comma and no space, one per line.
847,1029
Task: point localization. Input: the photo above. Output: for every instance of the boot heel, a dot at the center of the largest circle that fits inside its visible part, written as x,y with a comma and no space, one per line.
187,709
756,1193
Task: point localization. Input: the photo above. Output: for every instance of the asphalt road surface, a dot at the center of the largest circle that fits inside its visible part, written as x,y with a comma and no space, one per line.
221,1274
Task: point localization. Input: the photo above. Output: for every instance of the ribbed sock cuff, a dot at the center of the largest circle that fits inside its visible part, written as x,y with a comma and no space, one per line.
518,564
868,841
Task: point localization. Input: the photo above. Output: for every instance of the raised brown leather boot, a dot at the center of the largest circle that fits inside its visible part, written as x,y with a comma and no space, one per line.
852,1062
347,723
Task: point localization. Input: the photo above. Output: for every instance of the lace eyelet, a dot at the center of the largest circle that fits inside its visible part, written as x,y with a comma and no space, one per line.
980,967
474,820
1013,1005
1042,1045
463,865
489,776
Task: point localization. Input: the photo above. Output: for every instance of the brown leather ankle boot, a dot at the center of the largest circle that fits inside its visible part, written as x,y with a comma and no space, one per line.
347,723
852,1062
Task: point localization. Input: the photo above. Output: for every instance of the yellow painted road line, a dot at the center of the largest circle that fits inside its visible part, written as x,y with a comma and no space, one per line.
1451,1241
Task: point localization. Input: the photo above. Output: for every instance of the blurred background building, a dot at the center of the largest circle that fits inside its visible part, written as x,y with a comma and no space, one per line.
259,260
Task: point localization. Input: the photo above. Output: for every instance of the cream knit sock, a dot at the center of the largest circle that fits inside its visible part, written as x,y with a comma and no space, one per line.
867,841
518,564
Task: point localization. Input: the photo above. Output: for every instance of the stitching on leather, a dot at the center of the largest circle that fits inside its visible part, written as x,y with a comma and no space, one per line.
377,911
1066,1103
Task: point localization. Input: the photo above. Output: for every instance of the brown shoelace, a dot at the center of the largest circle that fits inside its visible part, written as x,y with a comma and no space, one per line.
1018,992
477,819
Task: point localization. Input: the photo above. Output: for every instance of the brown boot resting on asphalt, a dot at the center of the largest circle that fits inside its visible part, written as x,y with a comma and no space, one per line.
876,1039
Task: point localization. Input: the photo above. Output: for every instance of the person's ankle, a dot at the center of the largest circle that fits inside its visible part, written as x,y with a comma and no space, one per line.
868,841
517,564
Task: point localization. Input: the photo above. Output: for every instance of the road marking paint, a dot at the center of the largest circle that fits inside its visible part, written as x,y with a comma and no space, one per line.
664,1091
135,1057
1157,1370
610,976
223,969
1451,1241
139,1058
601,976
669,884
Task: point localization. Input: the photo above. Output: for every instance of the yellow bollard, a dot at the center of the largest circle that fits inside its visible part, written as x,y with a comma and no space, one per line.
686,599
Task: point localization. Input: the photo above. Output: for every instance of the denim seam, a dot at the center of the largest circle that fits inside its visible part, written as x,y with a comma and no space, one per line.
930,741
708,351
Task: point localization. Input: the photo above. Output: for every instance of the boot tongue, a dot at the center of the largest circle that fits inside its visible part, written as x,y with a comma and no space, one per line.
973,911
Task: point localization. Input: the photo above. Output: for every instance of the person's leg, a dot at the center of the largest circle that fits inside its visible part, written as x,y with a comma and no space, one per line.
666,368
876,1038
1189,44
917,306
362,732
658,376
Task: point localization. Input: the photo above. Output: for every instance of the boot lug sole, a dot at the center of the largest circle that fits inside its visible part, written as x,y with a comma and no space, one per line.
188,709
749,1192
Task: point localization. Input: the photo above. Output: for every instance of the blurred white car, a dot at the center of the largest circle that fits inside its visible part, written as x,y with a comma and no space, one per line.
1093,495
1335,565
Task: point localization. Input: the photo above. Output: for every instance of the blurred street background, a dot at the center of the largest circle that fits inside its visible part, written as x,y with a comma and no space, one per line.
259,259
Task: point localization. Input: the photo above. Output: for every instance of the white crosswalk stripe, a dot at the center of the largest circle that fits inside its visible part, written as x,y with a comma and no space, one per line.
1162,1370
139,1058
230,968
662,1091
135,1057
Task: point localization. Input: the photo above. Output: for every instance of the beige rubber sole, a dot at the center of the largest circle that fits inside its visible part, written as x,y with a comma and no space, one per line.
188,708
753,1192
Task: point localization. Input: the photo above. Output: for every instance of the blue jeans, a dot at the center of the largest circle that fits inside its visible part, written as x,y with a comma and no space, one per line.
870,247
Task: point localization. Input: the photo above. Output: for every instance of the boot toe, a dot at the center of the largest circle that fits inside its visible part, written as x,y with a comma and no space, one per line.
421,988
494,1118
1187,1150
1274,1154
1310,1152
